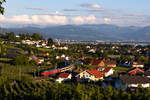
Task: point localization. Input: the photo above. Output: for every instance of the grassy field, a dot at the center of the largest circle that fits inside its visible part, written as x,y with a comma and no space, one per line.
17,72
5,59
123,69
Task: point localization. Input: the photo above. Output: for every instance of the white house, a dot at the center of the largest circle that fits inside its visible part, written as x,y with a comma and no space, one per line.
135,81
90,74
63,77
137,64
107,71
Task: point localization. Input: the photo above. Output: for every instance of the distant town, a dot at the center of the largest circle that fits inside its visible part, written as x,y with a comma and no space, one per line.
30,58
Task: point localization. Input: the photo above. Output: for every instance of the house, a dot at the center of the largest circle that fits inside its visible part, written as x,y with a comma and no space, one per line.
138,64
135,71
110,63
99,63
92,51
107,71
88,47
44,42
63,77
90,74
57,57
63,56
39,60
28,42
135,81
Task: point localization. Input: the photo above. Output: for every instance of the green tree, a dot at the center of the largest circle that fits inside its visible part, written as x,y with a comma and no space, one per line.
3,50
10,36
50,41
1,7
36,36
21,60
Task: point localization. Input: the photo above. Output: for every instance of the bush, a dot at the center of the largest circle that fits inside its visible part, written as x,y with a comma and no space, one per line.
21,60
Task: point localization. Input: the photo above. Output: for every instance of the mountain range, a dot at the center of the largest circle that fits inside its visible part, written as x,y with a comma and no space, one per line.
87,32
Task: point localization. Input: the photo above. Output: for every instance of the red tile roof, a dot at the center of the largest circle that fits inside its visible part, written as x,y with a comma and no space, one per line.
135,70
107,69
97,74
63,75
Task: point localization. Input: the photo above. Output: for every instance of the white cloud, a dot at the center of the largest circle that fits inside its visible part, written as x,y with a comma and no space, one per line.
84,19
47,19
35,19
94,6
107,20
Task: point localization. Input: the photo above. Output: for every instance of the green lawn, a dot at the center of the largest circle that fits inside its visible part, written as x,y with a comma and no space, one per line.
118,68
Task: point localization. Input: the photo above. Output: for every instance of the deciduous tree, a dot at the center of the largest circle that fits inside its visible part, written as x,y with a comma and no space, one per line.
1,7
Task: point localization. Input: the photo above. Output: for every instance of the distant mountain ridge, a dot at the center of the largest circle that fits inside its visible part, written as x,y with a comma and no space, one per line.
87,32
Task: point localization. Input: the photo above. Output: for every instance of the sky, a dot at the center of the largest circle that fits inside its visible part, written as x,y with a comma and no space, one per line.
63,12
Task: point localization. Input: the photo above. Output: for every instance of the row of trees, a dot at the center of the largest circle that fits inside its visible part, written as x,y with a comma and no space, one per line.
12,37
53,91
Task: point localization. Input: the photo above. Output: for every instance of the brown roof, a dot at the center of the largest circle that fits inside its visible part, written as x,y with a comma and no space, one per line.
63,75
134,79
110,63
147,73
96,62
107,69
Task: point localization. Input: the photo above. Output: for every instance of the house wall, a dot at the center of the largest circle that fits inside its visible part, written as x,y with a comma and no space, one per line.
111,65
141,66
109,73
143,85
86,75
146,85
69,77
133,85
63,79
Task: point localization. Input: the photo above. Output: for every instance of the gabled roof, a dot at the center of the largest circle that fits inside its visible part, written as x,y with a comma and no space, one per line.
97,74
135,71
107,69
96,62
63,75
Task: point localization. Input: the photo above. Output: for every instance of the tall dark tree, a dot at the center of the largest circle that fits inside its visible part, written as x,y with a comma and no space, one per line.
10,36
1,7
50,41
